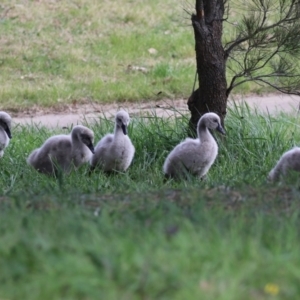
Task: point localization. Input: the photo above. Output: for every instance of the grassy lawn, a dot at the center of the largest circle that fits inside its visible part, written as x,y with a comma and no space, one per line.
61,52
55,52
134,236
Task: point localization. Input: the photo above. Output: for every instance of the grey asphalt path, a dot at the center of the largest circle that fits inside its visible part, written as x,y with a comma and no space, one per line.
89,113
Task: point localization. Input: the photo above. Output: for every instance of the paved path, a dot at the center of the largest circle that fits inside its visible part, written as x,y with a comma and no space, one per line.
78,114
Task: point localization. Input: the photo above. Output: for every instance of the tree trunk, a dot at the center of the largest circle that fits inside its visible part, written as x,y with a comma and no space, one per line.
210,56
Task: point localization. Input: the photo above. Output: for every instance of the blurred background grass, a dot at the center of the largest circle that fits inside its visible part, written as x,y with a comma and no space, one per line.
62,52
55,52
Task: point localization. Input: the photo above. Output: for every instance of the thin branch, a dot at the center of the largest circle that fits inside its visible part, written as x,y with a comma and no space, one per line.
238,41
281,89
266,61
261,78
235,77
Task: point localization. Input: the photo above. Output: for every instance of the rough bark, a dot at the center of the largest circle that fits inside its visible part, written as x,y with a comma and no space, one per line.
210,56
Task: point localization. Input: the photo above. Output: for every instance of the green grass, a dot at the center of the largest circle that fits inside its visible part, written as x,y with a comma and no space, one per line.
134,236
64,51
61,52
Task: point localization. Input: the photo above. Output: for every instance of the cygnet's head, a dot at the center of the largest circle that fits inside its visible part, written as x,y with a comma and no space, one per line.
5,123
85,135
211,121
122,120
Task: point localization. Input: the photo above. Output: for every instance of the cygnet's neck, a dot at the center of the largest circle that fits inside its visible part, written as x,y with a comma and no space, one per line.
3,135
118,132
76,141
203,133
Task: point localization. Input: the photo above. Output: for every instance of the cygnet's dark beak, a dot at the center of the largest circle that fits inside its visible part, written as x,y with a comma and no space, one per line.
91,147
221,129
124,128
8,132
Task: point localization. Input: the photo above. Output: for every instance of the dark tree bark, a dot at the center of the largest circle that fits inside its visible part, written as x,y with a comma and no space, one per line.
210,56
264,50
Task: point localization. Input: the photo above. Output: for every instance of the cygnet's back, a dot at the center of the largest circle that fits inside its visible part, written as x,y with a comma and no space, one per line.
5,131
195,156
114,152
62,152
289,161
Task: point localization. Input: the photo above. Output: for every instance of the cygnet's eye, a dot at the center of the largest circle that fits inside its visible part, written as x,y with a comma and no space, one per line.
215,120
4,125
119,120
85,138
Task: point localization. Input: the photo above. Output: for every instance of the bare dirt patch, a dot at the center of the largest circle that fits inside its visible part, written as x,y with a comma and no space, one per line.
89,113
